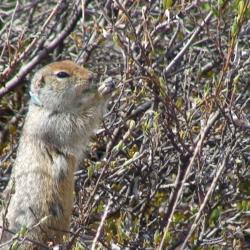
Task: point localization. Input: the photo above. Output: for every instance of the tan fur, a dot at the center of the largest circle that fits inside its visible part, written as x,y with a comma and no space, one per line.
53,141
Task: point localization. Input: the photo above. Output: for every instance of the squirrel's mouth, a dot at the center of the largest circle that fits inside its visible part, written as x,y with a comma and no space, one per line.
106,87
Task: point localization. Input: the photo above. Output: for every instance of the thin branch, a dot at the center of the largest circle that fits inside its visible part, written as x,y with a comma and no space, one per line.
189,42
27,50
205,201
17,80
93,247
197,149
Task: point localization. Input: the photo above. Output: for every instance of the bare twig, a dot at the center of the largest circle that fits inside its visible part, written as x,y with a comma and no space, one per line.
178,191
93,247
14,82
27,50
188,44
208,195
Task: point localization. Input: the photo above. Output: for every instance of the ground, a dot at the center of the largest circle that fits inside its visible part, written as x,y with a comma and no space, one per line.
170,166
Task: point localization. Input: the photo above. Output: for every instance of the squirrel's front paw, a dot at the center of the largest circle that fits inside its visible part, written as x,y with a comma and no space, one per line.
107,86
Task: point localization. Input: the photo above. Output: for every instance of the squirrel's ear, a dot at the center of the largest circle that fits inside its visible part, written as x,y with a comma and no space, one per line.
38,82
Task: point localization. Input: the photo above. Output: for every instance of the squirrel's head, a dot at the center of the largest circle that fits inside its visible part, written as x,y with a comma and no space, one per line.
65,86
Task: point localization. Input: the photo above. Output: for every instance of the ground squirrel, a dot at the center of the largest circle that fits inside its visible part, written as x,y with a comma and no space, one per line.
65,108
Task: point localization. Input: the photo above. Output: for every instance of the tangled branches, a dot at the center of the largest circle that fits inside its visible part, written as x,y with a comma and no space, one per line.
170,166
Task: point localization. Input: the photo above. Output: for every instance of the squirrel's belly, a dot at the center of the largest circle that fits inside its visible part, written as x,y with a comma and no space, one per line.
43,198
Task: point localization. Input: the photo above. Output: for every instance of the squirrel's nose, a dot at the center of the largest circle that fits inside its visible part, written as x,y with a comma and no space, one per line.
90,75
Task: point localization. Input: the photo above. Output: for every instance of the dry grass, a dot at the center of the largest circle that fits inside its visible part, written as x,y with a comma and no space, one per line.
172,160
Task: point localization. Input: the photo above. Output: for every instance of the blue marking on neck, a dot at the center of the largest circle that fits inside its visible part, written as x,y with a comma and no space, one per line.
34,99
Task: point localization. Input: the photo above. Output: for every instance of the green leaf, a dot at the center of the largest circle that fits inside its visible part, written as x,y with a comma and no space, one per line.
157,237
220,2
15,245
241,7
215,216
235,28
78,246
167,4
90,171
23,231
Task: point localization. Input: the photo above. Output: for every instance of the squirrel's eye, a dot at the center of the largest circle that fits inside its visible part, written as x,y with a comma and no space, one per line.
62,74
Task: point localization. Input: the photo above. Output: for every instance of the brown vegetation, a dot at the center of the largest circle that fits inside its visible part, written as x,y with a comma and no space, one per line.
170,167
